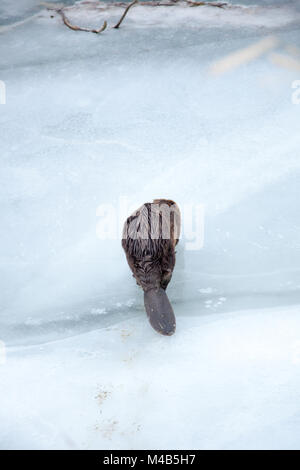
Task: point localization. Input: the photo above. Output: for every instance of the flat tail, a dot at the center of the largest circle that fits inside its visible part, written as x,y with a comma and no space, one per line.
160,311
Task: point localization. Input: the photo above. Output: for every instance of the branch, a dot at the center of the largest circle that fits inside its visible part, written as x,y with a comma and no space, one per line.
125,13
78,28
153,3
211,4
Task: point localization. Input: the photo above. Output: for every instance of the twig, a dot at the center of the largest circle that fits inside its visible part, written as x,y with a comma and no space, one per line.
153,3
78,28
125,13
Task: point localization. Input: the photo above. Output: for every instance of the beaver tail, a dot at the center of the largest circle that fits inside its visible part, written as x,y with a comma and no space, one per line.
160,311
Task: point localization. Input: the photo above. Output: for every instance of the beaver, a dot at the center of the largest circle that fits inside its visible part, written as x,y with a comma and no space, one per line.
149,238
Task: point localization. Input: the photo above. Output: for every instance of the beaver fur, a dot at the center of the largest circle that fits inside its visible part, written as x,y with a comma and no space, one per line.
149,238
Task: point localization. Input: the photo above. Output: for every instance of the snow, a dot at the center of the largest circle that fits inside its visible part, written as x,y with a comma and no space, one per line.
223,381
120,118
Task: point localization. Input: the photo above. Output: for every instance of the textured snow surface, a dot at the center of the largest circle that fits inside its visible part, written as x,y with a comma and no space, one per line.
136,113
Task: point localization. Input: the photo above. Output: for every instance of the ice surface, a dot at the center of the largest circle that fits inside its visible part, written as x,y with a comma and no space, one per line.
136,113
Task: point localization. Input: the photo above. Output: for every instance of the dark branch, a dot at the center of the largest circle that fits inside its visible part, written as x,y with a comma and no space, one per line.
79,28
125,13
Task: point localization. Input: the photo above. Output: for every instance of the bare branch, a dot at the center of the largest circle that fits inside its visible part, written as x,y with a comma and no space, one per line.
125,13
153,3
79,28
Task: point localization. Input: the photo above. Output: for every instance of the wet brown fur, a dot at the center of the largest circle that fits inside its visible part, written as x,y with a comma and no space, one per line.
149,238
